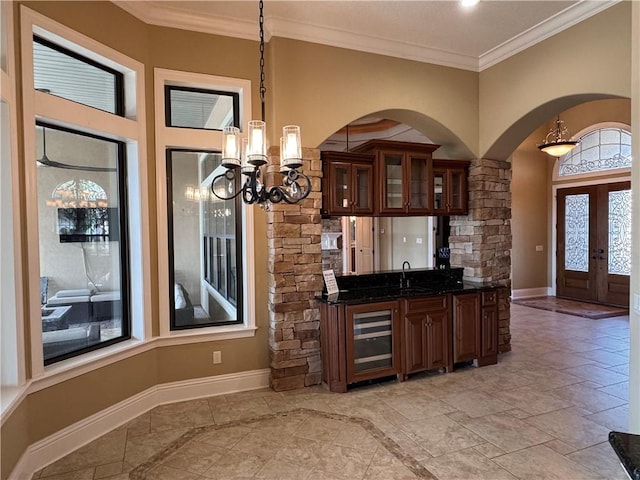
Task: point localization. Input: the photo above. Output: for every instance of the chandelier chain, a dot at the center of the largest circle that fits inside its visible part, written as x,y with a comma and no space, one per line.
263,89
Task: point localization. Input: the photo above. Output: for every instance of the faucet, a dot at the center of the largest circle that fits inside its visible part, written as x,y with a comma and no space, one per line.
404,281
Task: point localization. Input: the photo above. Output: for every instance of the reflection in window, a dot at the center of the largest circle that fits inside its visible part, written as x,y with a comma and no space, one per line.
83,246
204,244
603,149
619,256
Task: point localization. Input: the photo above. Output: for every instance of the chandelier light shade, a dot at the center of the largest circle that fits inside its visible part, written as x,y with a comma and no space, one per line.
249,156
558,141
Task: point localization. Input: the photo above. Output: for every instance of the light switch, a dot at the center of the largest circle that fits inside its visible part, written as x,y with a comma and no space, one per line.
539,248
419,241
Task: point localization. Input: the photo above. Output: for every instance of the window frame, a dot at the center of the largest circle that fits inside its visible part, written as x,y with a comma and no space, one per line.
168,88
121,172
170,245
131,129
118,84
199,140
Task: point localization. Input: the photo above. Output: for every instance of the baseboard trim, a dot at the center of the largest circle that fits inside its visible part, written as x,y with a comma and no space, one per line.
65,441
531,292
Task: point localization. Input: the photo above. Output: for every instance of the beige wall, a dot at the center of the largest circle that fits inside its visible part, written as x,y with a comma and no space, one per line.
321,88
585,62
531,192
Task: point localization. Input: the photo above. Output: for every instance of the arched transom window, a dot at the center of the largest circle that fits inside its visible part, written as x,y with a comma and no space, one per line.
602,149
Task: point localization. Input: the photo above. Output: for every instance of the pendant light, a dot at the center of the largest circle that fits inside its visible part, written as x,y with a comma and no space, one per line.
249,156
558,141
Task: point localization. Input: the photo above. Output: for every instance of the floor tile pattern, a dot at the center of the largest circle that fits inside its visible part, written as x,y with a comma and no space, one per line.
543,412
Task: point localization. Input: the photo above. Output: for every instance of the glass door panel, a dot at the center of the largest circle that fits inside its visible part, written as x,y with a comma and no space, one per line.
438,191
394,195
364,181
341,188
619,251
456,189
576,222
419,172
372,340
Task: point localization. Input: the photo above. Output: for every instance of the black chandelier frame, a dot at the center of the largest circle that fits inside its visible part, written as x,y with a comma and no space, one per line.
295,186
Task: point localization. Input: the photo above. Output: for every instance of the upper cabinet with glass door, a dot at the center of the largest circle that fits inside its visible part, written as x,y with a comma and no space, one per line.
348,183
404,170
450,187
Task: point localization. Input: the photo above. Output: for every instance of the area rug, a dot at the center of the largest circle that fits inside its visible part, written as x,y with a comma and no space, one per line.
572,307
197,452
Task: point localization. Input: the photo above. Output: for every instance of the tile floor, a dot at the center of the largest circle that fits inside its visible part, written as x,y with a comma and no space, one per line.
543,412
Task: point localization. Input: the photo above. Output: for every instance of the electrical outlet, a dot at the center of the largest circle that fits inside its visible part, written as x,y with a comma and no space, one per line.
217,357
419,241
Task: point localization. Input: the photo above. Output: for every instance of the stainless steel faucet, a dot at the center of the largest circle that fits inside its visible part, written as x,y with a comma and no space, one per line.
404,281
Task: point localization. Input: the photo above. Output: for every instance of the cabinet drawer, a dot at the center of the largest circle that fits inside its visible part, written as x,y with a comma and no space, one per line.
490,297
440,302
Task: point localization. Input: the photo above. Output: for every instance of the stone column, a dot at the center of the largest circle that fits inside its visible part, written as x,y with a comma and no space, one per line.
481,241
295,279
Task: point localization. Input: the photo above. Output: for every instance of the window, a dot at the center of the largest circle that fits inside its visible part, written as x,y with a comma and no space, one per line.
83,242
206,244
199,108
66,74
599,150
86,206
205,238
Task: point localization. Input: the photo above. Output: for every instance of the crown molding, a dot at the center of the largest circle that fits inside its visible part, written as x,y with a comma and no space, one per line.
160,13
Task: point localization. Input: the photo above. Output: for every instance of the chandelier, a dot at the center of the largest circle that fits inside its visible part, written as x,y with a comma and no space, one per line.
249,156
557,142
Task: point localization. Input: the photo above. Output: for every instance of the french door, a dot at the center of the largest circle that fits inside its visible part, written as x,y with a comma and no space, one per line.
594,243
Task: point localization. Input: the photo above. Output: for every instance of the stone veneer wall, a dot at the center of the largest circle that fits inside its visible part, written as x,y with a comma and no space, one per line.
295,279
481,241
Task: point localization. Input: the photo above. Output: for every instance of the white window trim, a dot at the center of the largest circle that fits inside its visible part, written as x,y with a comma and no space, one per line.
12,295
131,130
172,137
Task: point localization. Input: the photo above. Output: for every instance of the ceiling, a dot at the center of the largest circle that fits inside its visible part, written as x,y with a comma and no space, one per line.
439,32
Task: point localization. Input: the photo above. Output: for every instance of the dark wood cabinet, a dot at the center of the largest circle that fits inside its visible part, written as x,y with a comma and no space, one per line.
409,335
466,327
488,328
427,334
348,183
449,187
403,172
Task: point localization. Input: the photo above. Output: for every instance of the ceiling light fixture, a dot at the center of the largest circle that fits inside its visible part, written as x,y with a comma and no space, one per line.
469,3
558,141
249,156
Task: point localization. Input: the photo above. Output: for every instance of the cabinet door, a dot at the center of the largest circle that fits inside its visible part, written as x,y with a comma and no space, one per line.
418,184
372,341
391,174
340,189
439,191
466,327
415,337
362,188
489,328
457,192
438,339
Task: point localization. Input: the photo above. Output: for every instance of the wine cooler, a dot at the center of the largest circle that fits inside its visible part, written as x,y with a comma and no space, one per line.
370,332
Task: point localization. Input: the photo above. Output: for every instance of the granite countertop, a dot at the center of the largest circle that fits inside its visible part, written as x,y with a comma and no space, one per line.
627,447
385,293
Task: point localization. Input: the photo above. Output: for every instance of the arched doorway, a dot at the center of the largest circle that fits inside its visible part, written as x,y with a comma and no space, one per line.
593,206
